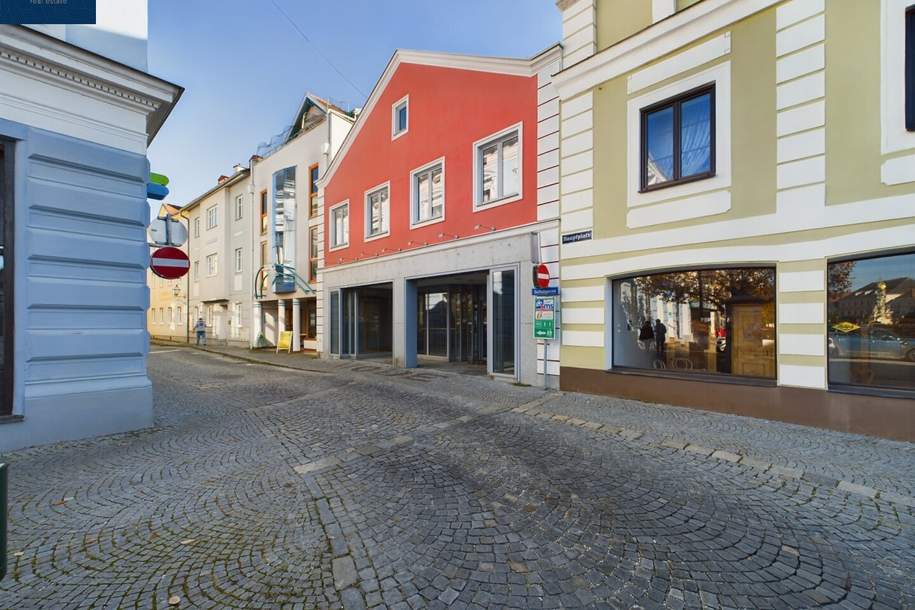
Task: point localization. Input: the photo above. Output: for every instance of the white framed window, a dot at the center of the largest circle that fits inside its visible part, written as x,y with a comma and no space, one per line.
238,260
497,168
212,217
377,211
894,19
719,77
427,194
178,316
209,314
400,117
212,264
239,207
197,226
339,226
196,270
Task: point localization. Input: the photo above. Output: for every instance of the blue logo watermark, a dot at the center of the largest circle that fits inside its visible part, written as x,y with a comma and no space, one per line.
40,12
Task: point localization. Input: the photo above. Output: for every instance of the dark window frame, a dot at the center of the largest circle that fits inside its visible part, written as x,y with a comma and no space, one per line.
676,103
265,211
7,276
909,75
698,376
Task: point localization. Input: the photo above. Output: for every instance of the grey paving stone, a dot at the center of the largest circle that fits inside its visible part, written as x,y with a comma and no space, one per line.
495,509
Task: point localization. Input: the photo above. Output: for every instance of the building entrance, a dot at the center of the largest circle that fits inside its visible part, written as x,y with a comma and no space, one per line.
451,319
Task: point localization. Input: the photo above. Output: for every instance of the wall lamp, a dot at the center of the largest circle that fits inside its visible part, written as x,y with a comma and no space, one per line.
443,235
478,227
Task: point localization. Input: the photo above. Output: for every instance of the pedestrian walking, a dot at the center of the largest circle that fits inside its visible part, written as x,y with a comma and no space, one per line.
201,328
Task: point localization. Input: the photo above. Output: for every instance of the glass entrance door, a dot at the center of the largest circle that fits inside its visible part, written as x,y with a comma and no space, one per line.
504,307
6,279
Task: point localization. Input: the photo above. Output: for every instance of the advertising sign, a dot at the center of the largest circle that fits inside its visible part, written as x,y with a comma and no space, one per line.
47,11
545,317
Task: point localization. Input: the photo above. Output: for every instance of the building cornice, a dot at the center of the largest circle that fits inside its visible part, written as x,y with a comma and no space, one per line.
655,41
48,59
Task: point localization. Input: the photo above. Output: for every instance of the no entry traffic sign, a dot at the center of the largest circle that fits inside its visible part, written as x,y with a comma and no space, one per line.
169,263
542,276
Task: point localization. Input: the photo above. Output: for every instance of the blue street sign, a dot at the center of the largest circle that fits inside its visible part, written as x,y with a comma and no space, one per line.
545,292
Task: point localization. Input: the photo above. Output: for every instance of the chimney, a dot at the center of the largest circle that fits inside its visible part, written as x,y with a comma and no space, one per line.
222,179
255,159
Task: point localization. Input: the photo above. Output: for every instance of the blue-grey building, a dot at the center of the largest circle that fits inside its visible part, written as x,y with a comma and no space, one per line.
77,111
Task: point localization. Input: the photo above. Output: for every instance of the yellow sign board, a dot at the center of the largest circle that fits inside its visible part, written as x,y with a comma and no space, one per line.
285,342
845,327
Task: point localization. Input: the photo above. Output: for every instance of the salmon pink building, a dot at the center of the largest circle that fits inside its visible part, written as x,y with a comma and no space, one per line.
440,202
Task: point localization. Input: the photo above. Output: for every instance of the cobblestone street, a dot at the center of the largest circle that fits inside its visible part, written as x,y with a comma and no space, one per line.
357,485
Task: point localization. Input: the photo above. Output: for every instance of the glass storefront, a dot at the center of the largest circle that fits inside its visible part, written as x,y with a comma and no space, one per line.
503,322
871,322
710,321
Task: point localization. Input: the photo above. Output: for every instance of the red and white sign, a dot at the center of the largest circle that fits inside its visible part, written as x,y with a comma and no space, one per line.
169,263
542,276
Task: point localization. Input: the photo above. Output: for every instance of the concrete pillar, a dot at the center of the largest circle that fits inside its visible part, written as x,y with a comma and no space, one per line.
280,318
398,308
257,321
410,311
296,325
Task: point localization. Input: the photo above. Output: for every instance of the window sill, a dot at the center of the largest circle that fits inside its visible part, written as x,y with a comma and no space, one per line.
425,223
877,392
11,419
368,238
482,207
703,377
673,183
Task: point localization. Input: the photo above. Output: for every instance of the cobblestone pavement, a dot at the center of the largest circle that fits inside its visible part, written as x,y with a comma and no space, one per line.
356,485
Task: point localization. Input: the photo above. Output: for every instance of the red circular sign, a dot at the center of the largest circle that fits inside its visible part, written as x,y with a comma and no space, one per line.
169,263
542,276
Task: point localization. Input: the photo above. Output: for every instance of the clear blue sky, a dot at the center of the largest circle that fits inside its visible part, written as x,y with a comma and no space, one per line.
245,69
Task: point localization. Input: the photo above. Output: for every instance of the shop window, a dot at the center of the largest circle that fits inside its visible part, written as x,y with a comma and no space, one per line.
376,212
339,226
871,322
498,168
716,321
428,194
678,137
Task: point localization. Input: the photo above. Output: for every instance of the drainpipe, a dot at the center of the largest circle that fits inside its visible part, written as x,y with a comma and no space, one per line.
187,283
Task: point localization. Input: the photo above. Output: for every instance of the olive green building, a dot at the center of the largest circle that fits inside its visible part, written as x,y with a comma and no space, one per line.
737,187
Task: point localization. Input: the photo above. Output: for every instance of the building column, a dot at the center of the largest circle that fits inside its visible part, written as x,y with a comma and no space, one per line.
257,321
296,325
410,324
280,318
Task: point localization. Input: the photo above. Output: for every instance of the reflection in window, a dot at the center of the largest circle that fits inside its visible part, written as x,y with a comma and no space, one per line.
339,226
503,322
429,187
432,324
871,322
376,213
499,166
718,321
678,141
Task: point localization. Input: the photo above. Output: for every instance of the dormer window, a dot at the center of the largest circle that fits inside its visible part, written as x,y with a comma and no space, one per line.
400,117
